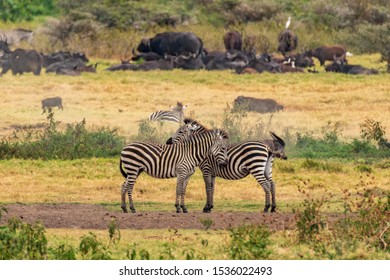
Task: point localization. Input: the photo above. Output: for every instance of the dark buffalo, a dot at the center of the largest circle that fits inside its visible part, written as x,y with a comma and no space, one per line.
301,60
51,58
70,63
256,104
263,65
76,70
340,66
125,65
327,53
210,55
164,64
232,41
148,56
229,60
172,43
188,62
21,61
288,41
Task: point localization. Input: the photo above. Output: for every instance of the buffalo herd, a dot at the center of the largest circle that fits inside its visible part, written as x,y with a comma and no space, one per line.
185,50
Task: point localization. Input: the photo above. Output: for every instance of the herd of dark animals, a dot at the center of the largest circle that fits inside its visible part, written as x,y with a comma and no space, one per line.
185,50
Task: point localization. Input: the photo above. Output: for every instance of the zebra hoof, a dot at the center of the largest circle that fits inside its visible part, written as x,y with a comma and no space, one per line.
184,209
133,210
273,209
266,208
124,209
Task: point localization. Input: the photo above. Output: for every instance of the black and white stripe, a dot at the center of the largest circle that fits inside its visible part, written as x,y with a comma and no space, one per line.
175,115
250,157
168,161
13,37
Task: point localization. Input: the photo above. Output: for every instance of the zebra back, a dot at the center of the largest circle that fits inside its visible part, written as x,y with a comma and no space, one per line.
175,115
13,37
162,161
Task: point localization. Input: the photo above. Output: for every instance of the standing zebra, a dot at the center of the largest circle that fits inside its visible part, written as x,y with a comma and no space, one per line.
168,161
175,115
250,157
13,37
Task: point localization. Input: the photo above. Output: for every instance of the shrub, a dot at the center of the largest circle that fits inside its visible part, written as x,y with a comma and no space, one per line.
21,241
92,249
249,242
76,141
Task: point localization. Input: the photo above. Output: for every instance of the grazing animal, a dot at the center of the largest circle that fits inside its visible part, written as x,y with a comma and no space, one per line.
15,36
169,161
288,41
51,102
175,115
22,61
232,41
172,43
250,157
340,66
257,104
327,53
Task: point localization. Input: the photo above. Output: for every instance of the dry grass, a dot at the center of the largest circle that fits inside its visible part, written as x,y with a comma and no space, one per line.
122,99
99,181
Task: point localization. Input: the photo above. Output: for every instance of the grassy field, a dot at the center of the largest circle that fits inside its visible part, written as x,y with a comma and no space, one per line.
122,99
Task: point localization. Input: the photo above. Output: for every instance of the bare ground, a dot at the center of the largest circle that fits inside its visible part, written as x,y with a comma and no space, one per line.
87,216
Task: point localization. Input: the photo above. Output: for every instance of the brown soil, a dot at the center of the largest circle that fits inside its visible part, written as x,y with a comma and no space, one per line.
87,216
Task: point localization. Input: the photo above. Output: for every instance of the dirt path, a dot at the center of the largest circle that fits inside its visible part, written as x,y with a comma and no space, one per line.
86,216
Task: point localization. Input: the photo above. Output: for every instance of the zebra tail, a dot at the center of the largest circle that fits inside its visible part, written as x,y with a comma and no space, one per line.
121,169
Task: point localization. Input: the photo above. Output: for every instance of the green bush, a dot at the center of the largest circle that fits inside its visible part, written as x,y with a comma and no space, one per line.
17,10
249,242
21,241
76,141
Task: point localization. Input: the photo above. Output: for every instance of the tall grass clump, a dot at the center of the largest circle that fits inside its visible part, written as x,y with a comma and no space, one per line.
75,141
249,242
364,227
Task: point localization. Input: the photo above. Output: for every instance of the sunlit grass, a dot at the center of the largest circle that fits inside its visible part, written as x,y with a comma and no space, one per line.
98,181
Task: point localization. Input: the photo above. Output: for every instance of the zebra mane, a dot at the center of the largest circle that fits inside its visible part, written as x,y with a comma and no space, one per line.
192,121
220,132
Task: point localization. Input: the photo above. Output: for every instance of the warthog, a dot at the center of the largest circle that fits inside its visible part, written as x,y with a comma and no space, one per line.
51,102
256,104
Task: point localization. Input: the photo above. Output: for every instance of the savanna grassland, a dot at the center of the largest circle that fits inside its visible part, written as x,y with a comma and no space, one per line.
314,105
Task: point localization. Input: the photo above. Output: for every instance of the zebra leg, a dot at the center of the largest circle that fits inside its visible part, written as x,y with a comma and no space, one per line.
268,176
183,195
127,187
209,181
266,187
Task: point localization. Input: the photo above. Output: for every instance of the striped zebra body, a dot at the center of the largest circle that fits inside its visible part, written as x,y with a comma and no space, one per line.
251,157
13,37
170,116
168,161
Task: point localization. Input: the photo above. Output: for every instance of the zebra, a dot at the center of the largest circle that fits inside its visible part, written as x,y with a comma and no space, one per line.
175,115
168,161
13,37
250,157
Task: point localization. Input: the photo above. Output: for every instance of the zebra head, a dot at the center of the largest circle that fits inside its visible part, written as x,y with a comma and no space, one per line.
219,148
279,146
190,127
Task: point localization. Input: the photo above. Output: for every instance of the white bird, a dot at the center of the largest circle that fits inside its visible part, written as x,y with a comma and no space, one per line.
288,22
